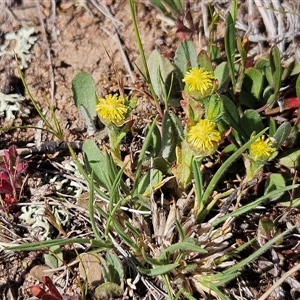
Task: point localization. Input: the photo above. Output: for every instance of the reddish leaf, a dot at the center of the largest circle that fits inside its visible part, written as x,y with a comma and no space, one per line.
5,185
286,104
52,288
10,157
37,291
9,199
21,167
291,103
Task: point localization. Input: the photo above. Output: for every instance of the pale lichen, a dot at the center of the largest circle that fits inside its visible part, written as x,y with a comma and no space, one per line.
11,103
23,43
34,216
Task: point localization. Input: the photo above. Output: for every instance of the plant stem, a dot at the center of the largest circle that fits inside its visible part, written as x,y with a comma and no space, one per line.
143,57
203,202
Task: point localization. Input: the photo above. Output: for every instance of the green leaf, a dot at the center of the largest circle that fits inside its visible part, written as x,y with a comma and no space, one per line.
172,135
288,69
230,37
263,65
180,230
161,7
186,245
214,108
168,138
266,226
253,82
108,290
203,202
99,163
282,133
152,261
256,254
159,70
115,267
162,165
158,270
183,175
273,183
276,68
185,56
155,143
84,94
254,204
176,6
242,50
46,244
251,122
272,127
54,258
221,73
177,127
296,69
204,61
290,159
143,155
231,115
149,181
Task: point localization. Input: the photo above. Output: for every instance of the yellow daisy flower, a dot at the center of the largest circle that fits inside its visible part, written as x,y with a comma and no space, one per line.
111,109
203,137
261,149
198,80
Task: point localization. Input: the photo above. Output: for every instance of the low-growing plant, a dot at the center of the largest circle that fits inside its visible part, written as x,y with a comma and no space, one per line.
12,176
168,212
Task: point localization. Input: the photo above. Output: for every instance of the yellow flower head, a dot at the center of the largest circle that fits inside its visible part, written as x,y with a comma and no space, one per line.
203,137
198,81
261,149
112,109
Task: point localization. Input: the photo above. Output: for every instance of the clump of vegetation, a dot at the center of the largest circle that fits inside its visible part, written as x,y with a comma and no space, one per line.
12,177
171,213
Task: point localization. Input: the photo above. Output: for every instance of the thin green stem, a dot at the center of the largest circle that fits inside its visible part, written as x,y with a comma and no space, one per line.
57,133
50,243
168,286
142,155
143,57
203,202
92,211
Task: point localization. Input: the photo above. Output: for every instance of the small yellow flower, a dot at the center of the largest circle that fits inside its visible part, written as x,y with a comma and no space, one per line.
203,137
261,149
198,80
112,109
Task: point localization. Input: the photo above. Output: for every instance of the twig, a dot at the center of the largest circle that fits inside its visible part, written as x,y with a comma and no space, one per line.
52,86
49,147
116,38
279,282
270,27
280,24
104,10
115,35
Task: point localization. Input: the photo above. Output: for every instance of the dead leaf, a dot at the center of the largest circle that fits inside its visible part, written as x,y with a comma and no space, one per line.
38,272
90,268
